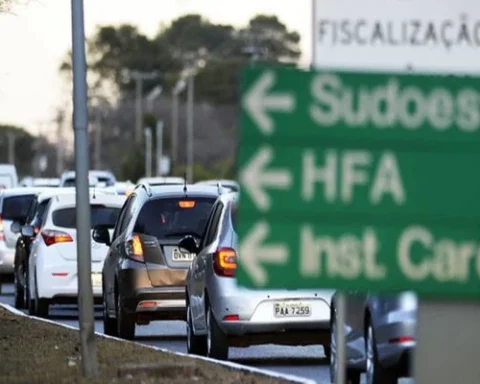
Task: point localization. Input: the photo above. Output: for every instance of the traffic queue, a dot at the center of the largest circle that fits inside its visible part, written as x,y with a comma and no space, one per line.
164,249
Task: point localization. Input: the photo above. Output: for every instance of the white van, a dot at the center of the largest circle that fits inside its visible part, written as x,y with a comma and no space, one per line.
8,176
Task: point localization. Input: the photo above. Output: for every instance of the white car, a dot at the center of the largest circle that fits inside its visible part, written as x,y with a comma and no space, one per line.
53,257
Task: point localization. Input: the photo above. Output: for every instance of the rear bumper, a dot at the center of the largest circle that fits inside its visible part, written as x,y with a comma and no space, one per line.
392,353
258,325
147,302
63,289
245,333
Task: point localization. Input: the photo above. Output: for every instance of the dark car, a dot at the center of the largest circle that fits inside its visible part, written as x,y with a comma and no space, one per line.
144,272
14,205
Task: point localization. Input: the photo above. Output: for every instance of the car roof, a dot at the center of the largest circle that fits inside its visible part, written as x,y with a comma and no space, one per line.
178,190
19,191
161,179
91,173
70,198
215,181
51,192
229,197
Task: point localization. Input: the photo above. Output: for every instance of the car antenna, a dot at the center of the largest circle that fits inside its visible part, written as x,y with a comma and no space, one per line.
220,188
185,183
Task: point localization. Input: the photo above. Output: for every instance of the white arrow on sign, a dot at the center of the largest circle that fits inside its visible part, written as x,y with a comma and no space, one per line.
255,178
253,253
258,102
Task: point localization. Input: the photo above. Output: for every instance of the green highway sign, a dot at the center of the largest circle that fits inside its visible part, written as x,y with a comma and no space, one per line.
359,180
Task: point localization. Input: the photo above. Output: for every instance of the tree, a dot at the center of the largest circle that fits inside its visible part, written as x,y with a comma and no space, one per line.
115,51
188,34
25,143
269,39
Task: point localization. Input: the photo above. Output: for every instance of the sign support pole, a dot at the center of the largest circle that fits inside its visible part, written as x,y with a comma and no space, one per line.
447,338
340,305
84,257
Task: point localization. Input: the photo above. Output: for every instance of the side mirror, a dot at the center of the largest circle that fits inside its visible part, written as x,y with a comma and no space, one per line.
188,244
27,231
16,227
101,234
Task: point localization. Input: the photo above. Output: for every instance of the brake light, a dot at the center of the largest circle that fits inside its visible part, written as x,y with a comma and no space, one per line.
2,233
186,204
401,339
134,248
225,262
51,237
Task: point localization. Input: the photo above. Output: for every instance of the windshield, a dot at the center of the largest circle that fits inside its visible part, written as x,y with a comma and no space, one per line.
173,217
38,218
100,215
15,208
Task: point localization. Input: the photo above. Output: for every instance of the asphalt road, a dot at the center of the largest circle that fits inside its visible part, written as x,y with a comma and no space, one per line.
308,362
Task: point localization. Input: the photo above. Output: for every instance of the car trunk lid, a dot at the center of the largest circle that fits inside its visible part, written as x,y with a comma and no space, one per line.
166,264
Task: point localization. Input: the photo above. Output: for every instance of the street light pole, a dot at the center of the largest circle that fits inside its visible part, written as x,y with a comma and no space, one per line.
174,132
11,148
84,256
190,105
138,108
159,155
139,77
148,151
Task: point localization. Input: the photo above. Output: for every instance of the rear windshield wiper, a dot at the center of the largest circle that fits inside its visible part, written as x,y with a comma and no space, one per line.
173,234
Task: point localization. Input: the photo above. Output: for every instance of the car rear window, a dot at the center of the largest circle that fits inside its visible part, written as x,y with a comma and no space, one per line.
100,215
174,217
16,208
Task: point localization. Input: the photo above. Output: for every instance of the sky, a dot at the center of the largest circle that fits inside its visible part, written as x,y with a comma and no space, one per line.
37,34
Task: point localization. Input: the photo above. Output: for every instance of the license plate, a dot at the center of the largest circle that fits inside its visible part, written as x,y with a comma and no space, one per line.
97,279
292,310
182,256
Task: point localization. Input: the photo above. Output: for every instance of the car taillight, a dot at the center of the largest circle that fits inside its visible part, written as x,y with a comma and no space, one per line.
134,248
225,262
2,233
51,237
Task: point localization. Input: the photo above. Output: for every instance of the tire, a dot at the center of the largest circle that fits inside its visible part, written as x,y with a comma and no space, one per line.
376,374
327,351
352,375
19,289
109,324
196,345
217,342
41,305
125,322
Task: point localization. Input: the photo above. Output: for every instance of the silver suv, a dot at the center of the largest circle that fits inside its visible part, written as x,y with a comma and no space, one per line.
221,314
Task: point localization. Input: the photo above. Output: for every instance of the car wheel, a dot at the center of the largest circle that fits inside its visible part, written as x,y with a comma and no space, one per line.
19,287
196,345
217,343
376,374
125,322
352,375
41,305
109,324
